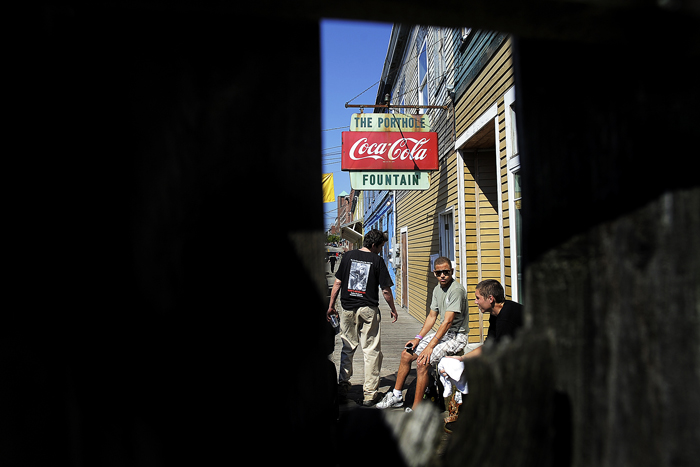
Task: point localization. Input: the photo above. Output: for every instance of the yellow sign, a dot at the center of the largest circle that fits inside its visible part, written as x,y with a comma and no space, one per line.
328,188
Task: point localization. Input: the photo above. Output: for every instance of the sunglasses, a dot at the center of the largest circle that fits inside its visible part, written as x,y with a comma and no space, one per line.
446,272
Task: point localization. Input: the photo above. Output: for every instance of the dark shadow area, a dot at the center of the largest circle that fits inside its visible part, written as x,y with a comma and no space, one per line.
595,154
364,435
509,397
136,132
138,229
562,442
481,164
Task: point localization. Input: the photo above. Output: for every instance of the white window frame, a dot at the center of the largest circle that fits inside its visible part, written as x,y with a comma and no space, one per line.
513,168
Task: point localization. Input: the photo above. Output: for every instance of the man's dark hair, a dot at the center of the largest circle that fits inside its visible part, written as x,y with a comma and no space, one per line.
374,237
492,287
443,260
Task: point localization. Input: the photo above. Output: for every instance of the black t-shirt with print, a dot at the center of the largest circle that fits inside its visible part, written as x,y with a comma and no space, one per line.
362,273
507,322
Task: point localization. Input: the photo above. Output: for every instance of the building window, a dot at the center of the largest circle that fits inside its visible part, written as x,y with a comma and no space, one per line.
423,76
517,203
447,234
439,55
515,198
513,131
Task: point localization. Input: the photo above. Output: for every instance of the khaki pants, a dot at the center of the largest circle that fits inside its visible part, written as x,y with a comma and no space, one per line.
361,326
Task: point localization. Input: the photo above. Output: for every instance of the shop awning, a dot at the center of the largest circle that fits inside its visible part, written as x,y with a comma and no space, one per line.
349,232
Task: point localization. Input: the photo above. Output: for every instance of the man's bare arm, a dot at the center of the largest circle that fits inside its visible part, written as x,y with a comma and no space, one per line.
390,301
334,297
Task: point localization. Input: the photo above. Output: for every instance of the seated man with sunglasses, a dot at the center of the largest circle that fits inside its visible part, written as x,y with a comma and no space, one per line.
428,347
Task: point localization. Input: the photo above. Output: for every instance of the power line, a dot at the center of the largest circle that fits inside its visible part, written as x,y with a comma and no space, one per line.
364,91
414,56
338,128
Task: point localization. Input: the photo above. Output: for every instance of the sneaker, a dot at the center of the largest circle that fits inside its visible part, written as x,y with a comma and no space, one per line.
390,400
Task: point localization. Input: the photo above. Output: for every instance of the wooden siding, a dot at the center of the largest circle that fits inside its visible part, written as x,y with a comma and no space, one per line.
484,176
483,256
418,211
495,79
486,67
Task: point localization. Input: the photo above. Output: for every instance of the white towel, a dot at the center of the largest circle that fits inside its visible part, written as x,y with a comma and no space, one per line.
452,372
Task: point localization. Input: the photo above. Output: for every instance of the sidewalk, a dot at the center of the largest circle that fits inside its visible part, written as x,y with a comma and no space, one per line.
416,436
394,337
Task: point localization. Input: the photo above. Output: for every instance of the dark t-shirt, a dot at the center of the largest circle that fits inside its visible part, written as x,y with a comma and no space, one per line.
506,323
362,273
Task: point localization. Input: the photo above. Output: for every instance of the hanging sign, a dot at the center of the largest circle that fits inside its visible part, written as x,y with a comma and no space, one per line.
390,122
390,180
389,150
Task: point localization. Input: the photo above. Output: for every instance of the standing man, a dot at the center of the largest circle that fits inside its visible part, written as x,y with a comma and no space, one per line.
360,275
332,261
450,303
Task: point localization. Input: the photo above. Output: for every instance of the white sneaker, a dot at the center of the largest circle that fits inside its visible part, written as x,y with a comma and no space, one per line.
390,400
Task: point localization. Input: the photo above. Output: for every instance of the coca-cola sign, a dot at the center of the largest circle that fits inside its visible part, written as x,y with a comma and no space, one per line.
364,150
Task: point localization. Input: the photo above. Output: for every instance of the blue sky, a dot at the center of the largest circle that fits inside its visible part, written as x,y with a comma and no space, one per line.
352,58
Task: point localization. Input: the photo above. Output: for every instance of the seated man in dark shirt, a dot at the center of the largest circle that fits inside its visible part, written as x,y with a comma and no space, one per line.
506,317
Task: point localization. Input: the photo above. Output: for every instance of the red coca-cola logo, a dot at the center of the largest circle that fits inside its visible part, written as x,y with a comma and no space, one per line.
389,151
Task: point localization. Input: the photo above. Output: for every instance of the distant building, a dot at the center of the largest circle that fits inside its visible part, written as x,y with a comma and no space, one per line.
348,224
